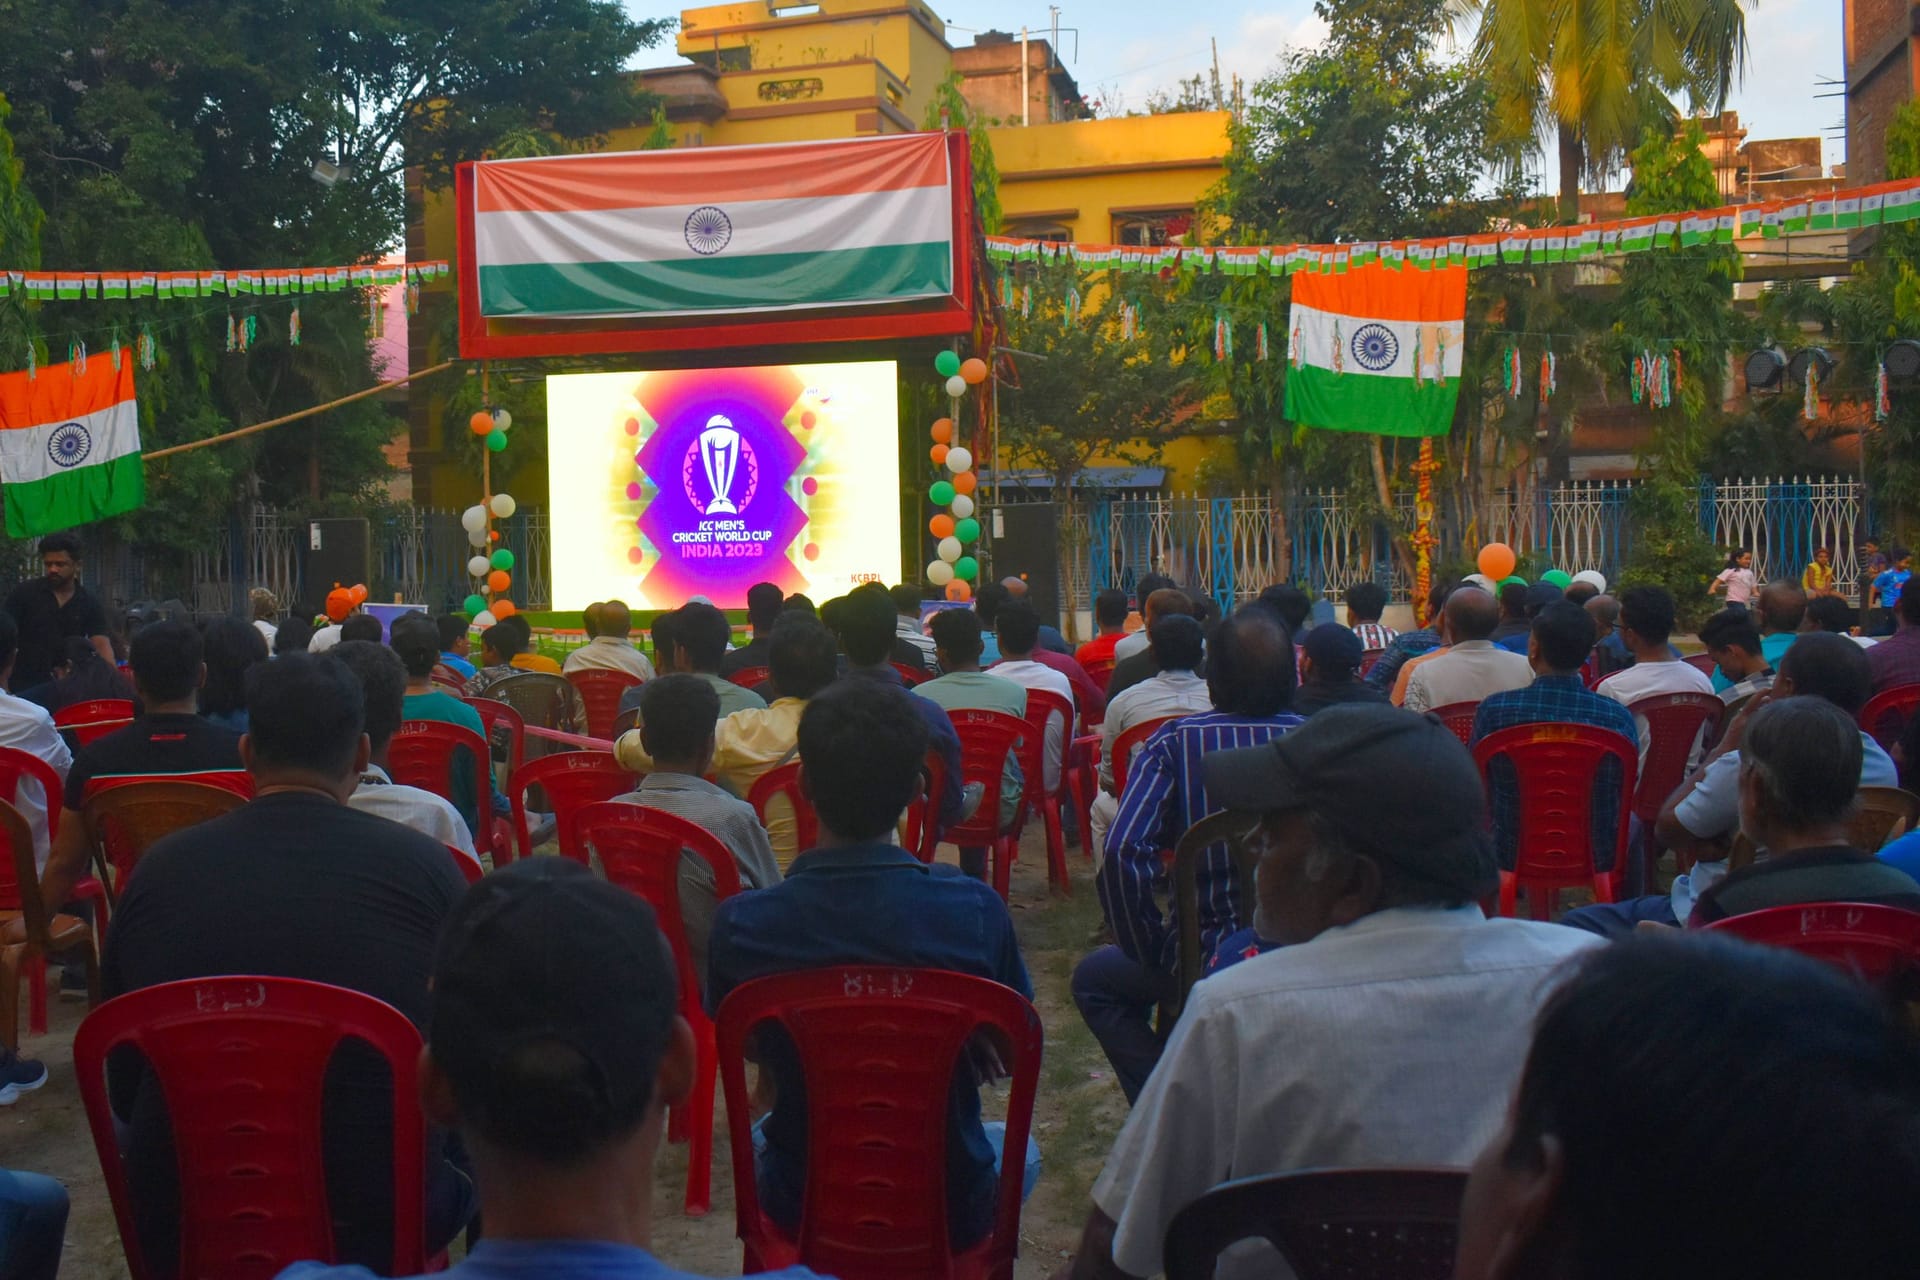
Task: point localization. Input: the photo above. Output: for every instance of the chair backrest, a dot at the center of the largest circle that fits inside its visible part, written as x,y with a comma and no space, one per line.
424,754
1128,745
923,815
241,1062
1702,662
18,769
503,724
784,781
127,819
751,677
1194,842
878,1048
1329,1224
1458,716
912,675
572,780
640,850
600,697
447,679
1885,716
987,738
95,718
541,698
1042,706
1882,814
20,877
1875,942
1554,769
468,865
1100,671
1674,724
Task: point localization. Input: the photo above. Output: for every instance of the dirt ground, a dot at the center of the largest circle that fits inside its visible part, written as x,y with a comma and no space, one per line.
1078,1112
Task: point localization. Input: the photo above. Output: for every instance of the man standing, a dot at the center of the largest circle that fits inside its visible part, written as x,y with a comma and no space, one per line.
52,607
611,648
1646,622
1473,668
1888,587
1176,643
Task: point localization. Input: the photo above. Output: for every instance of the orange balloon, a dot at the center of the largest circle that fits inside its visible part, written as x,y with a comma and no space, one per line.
339,604
480,423
965,481
494,536
941,526
958,590
939,455
943,431
974,371
501,608
358,593
1497,560
499,580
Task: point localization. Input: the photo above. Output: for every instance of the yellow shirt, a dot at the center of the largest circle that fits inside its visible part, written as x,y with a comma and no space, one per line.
1818,578
531,661
746,744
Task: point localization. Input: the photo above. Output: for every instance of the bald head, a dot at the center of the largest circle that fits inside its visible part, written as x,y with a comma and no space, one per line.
1471,614
1783,606
1016,588
1167,602
615,620
1604,610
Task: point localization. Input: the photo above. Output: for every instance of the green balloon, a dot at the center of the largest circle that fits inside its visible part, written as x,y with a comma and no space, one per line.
946,364
941,493
967,530
496,440
1558,577
966,568
503,559
1509,581
474,605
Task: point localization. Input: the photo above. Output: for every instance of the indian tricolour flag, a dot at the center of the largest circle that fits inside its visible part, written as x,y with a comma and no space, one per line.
1377,350
70,444
866,221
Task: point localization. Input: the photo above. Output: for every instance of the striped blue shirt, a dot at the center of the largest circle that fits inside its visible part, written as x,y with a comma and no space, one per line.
1166,793
1554,699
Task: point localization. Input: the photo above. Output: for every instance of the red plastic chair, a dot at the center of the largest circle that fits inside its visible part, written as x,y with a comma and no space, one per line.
1876,943
1100,671
1042,707
1082,772
1554,768
922,833
124,820
1128,745
1885,716
641,849
912,675
572,780
878,1047
241,1061
18,769
87,721
750,677
986,739
1458,716
1703,663
1368,659
424,754
468,865
785,781
600,697
447,680
1674,724
504,726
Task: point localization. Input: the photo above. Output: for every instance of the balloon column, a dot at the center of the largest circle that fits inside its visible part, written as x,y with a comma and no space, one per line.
955,525
492,569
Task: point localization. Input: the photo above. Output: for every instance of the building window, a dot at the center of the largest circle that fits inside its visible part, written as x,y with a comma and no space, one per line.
1159,228
1049,231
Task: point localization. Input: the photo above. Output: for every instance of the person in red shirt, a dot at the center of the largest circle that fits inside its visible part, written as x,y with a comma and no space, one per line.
1110,619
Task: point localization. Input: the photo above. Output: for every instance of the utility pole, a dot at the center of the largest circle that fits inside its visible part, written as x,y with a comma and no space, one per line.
1219,101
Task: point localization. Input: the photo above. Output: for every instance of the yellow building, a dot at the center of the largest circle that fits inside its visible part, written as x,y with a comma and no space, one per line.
772,71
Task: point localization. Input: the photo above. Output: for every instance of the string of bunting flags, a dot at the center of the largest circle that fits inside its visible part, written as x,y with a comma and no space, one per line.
1882,203
106,286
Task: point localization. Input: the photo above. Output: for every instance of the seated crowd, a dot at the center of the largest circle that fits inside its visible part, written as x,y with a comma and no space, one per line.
1355,1005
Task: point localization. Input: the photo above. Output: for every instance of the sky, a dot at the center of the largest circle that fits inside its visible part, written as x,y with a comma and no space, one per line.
1132,47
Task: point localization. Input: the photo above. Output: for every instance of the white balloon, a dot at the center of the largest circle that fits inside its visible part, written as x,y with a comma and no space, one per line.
502,419
962,506
949,549
484,619
959,459
478,566
473,519
503,505
476,537
939,573
1594,576
956,386
1481,581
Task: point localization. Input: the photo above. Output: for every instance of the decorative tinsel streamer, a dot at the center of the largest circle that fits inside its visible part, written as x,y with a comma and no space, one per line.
113,345
1294,356
1677,371
1339,363
1882,406
1419,377
1026,299
1439,355
1260,343
1639,382
253,332
77,357
413,295
1510,372
33,360
144,348
1549,376
232,340
293,326
1126,322
1810,408
376,315
1073,305
1222,337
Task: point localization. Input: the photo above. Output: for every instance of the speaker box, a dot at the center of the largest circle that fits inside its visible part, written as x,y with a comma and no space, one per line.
335,552
1026,544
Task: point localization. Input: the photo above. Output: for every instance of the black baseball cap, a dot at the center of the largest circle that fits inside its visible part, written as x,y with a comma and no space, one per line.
1396,785
1333,648
554,999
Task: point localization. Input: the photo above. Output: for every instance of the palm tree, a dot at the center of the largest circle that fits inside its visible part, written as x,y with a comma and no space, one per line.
1597,71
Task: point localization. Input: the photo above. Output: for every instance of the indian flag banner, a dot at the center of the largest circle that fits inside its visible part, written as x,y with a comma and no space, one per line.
70,444
858,222
1377,350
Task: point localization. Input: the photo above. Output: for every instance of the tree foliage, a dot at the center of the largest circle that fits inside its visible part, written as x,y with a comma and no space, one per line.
949,110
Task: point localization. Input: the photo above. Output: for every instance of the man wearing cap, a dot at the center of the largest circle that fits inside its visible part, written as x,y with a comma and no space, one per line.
339,609
1250,676
1473,667
1177,645
559,1090
1330,660
1388,1027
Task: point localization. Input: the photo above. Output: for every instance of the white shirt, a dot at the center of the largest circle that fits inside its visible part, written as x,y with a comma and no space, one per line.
1470,671
609,653
26,726
424,811
908,629
1029,674
1130,645
325,638
266,629
1650,680
1167,693
1396,1040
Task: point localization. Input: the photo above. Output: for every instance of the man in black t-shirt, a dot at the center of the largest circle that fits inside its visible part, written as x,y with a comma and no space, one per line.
168,741
295,884
52,608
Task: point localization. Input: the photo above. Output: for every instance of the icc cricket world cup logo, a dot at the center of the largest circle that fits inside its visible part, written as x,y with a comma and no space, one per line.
720,456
